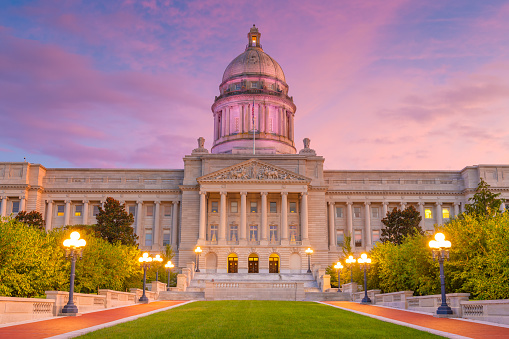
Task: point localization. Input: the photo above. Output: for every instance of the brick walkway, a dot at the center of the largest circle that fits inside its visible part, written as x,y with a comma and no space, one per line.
63,325
453,326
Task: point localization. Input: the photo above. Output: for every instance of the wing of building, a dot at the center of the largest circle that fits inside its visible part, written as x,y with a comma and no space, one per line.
253,203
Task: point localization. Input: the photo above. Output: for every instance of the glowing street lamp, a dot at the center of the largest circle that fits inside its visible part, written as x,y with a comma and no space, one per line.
309,251
365,260
350,261
197,250
158,259
338,268
440,248
73,248
168,266
145,261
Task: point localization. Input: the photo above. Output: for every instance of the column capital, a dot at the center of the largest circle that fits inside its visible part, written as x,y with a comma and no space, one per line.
385,203
5,197
243,193
139,202
203,192
438,203
367,203
48,201
263,194
284,193
349,203
68,201
223,193
421,203
21,197
303,193
157,202
331,203
457,203
85,201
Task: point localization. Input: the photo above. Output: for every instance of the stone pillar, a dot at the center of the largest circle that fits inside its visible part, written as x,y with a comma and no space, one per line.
292,136
439,212
384,209
245,118
85,212
223,122
457,209
227,110
261,114
402,205
139,212
49,214
174,225
304,216
263,231
3,207
267,119
349,222
332,227
222,217
22,204
157,224
421,211
367,223
203,214
215,127
243,215
67,212
284,215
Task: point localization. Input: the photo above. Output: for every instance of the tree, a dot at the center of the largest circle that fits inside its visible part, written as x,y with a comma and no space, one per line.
32,218
484,202
400,224
114,223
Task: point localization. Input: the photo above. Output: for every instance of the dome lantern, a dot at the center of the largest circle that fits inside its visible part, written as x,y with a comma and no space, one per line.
253,38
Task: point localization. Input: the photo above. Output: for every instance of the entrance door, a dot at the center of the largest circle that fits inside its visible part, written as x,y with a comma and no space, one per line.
253,264
233,263
274,263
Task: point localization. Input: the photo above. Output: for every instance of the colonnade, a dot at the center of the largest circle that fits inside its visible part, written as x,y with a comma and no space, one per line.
3,204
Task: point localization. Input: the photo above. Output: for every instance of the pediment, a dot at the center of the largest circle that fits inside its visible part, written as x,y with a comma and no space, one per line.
256,171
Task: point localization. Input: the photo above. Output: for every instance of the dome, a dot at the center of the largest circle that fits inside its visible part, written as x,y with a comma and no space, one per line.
254,61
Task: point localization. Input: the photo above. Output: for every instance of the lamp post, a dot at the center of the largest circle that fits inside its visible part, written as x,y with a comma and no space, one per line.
365,260
197,250
168,266
440,248
73,248
145,261
309,251
350,261
338,267
157,259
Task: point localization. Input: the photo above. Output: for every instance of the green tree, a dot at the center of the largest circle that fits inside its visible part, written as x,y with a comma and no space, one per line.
400,224
114,223
484,202
32,218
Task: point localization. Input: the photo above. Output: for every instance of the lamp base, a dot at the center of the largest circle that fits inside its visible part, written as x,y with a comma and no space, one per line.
143,300
444,310
70,309
366,300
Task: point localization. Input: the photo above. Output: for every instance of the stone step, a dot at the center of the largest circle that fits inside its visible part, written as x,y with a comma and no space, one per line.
327,296
188,295
253,277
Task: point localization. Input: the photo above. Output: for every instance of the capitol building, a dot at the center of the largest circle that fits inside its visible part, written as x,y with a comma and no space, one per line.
258,198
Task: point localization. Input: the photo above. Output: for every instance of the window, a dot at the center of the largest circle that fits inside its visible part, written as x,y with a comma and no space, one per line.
357,212
254,207
358,238
340,237
95,211
273,207
446,213
213,233
253,40
293,207
293,233
339,212
374,212
253,233
60,210
214,206
234,233
237,87
254,85
167,210
234,207
166,237
376,236
428,214
15,206
132,210
150,210
273,233
78,209
148,238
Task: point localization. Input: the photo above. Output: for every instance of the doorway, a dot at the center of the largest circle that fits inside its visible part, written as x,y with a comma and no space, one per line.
252,263
274,263
233,263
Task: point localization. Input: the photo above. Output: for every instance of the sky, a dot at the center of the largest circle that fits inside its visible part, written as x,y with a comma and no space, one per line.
393,84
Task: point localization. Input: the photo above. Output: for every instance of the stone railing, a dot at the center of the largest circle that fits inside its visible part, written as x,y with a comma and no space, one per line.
357,296
84,302
254,291
350,288
116,298
157,286
430,303
20,309
322,279
496,311
138,292
394,299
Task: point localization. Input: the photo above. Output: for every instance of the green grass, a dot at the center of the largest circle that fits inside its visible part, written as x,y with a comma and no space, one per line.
257,319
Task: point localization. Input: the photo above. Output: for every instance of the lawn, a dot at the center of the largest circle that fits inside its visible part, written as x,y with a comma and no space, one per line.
257,319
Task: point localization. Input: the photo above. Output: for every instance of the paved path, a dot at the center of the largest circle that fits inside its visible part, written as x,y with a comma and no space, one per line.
455,327
62,326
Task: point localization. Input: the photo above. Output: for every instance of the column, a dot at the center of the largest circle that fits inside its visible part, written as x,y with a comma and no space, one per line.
349,223
243,215
279,122
22,204
284,215
267,119
3,207
384,209
439,212
157,226
85,212
402,206
457,209
292,123
139,212
367,223
304,216
502,207
261,114
421,211
49,215
222,217
174,225
223,122
227,110
203,210
215,127
67,212
263,231
332,228
245,118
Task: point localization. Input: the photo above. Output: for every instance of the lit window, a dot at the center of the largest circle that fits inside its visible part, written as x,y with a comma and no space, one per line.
339,212
132,210
254,207
376,236
293,233
253,233
150,210
15,206
214,206
428,213
273,207
254,85
446,213
234,207
60,210
213,233
374,212
293,207
273,236
167,211
78,209
234,233
253,40
358,238
340,237
148,238
95,211
166,237
357,212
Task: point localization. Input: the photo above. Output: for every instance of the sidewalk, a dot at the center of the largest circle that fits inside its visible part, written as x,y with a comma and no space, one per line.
452,328
62,326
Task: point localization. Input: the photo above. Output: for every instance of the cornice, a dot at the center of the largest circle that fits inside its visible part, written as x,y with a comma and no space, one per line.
104,191
373,192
